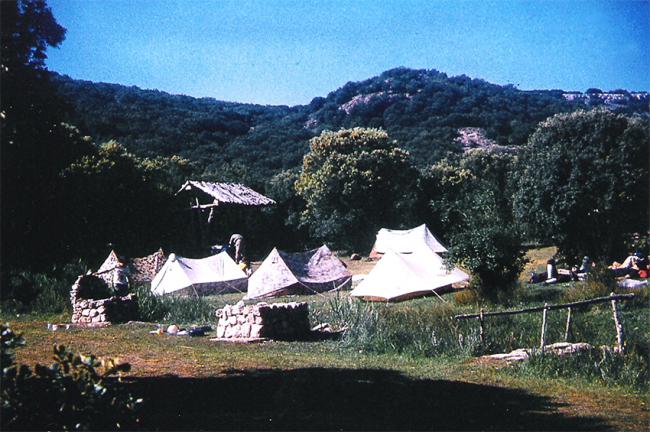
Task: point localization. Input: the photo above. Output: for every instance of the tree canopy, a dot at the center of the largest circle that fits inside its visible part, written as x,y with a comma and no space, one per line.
469,201
35,142
583,182
355,181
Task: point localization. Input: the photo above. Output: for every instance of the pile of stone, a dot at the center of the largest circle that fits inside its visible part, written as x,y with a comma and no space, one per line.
97,312
282,321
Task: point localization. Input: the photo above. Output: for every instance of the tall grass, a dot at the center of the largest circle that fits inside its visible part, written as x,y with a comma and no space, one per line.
604,366
426,327
29,292
170,309
423,329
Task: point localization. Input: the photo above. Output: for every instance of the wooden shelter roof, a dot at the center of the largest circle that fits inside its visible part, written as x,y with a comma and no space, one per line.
232,193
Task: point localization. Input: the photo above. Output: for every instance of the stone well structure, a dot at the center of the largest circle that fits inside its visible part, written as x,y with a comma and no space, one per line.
286,321
91,312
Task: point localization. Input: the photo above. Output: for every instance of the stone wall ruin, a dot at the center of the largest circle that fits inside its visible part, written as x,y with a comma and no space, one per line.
281,321
103,311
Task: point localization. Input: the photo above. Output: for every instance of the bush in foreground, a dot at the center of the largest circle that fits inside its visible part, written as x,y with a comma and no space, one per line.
75,393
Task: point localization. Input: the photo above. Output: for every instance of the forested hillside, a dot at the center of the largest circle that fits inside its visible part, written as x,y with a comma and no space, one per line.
94,167
421,109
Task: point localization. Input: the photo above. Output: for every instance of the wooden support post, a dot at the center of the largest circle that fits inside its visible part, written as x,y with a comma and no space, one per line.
481,329
620,334
543,338
568,333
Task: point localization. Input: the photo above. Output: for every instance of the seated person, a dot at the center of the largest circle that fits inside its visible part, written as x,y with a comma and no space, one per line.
585,267
552,274
631,266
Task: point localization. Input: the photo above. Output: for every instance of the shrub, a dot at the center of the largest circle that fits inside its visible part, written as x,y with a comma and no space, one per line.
37,292
74,393
467,297
41,292
599,283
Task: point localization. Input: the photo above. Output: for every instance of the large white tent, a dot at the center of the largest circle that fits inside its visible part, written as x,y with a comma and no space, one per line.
401,276
282,273
212,275
405,241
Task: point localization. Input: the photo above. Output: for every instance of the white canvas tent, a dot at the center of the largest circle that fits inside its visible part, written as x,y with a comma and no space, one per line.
212,275
308,272
405,241
400,276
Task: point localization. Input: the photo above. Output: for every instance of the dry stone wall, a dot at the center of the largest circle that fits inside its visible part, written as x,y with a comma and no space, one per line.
101,311
286,321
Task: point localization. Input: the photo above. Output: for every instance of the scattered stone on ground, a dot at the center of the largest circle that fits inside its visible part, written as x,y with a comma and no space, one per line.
561,349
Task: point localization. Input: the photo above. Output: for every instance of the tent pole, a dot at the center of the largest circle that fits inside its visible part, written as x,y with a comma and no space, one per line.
443,300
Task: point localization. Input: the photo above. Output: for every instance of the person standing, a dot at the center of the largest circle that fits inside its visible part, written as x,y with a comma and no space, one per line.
237,243
120,279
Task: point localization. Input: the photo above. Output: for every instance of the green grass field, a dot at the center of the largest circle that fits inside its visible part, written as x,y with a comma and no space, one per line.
403,366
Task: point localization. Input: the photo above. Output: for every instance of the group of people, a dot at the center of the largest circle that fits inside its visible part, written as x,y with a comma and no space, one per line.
554,275
634,266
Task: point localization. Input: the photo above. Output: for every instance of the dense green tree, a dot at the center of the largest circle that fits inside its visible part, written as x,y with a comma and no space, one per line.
422,109
115,199
354,182
469,203
487,244
583,182
35,143
287,232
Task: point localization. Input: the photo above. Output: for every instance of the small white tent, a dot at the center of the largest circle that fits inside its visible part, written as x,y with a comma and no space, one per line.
405,241
282,273
140,270
212,275
400,276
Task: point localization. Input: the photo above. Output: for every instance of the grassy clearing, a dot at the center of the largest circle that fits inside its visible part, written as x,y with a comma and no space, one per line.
293,373
388,372
537,258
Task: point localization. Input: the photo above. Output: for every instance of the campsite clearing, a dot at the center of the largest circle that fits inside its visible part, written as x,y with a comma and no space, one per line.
193,383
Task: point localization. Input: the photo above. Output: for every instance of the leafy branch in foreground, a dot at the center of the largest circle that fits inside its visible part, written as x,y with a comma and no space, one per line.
75,393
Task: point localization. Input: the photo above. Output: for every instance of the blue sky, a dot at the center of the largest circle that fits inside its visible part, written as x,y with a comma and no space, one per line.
288,52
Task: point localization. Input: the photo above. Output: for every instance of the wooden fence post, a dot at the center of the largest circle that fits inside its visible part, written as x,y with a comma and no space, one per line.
568,334
543,338
481,329
620,334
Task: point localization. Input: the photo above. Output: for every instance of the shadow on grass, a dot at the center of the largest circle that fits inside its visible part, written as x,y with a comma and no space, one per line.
343,399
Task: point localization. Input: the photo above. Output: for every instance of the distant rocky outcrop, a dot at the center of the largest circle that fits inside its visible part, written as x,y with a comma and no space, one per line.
365,99
614,99
473,138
